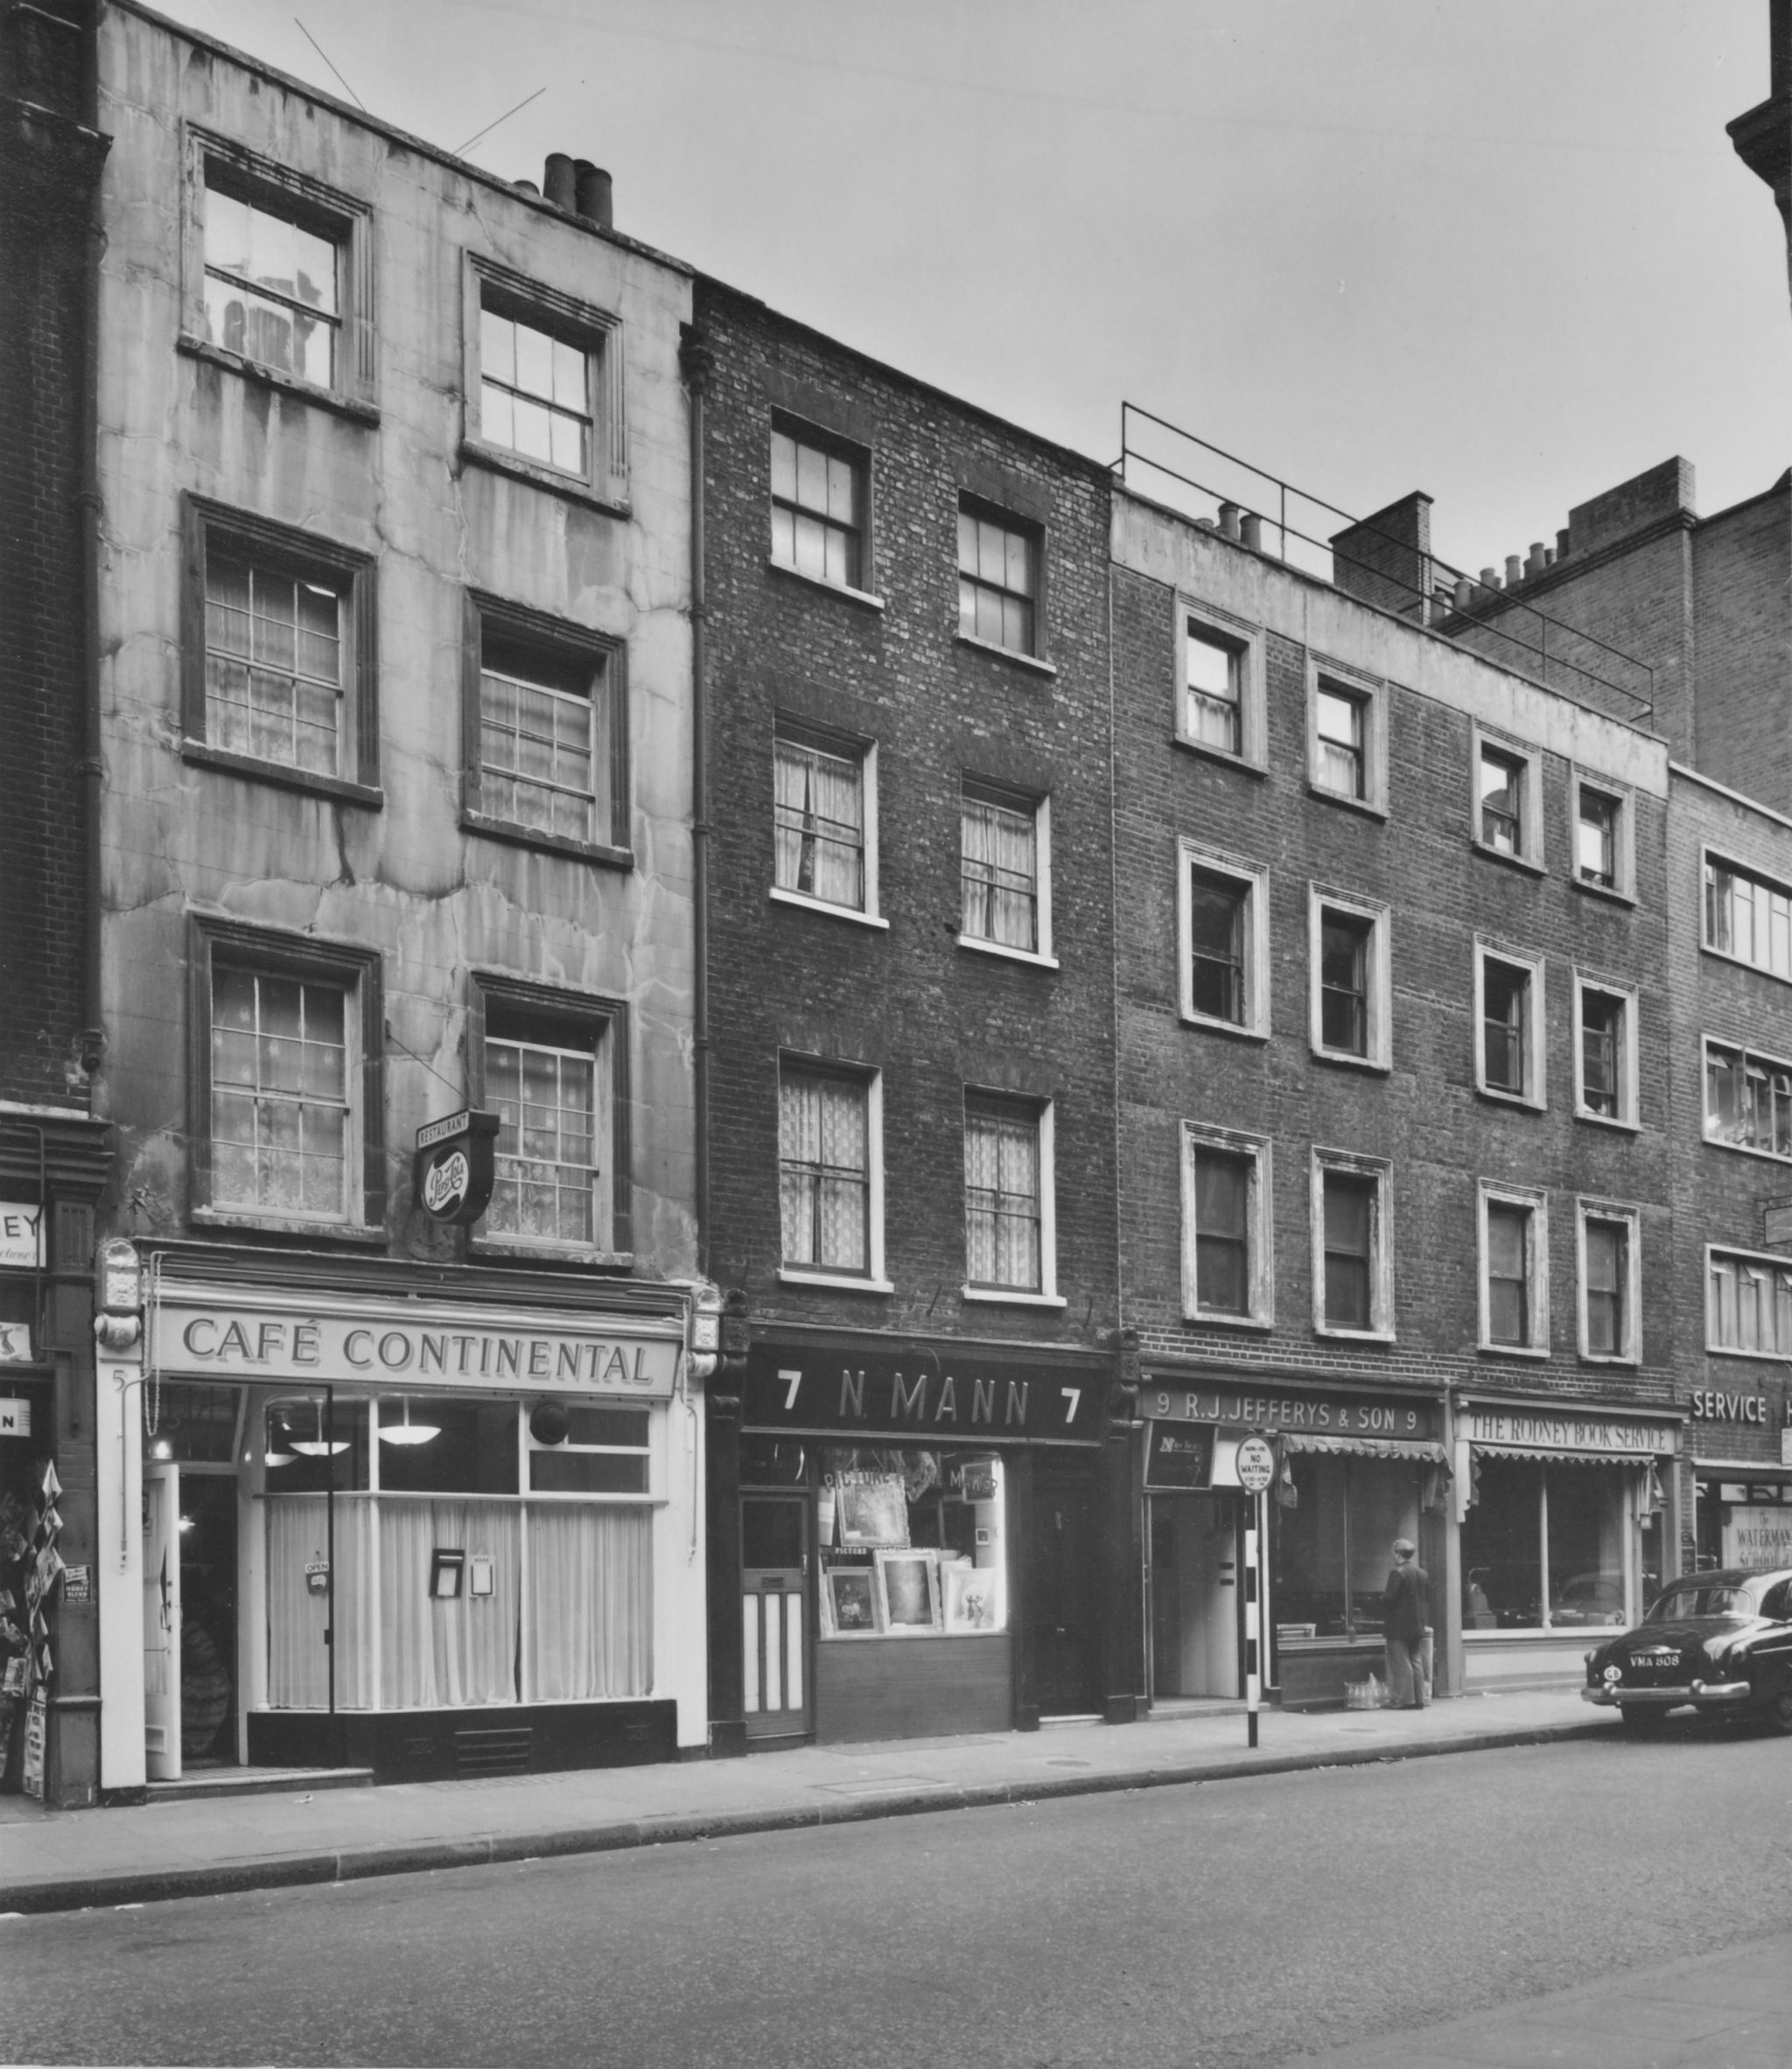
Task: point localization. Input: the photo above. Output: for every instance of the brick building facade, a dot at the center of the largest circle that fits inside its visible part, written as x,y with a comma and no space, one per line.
910,959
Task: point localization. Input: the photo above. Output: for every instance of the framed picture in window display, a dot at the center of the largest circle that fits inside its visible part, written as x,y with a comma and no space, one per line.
873,1511
908,1590
971,1598
850,1602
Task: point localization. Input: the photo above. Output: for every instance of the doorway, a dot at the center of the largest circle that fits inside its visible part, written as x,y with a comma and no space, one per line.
1195,1627
1063,1589
774,1615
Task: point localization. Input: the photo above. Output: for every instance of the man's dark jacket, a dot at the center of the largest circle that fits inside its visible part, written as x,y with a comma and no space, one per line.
1405,1604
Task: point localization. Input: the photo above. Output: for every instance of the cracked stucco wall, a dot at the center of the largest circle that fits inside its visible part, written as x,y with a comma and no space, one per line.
436,901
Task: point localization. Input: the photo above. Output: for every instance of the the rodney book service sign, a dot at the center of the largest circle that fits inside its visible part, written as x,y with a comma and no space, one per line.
1533,1429
216,1335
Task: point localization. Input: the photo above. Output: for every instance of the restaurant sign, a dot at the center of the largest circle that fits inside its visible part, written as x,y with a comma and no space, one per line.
945,1392
1315,1414
406,1344
1533,1429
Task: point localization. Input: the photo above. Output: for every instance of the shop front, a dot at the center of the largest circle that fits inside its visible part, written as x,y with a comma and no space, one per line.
922,1547
1356,1470
1564,1531
429,1535
1741,1439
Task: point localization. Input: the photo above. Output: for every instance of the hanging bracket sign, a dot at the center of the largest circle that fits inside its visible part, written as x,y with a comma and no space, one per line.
453,1168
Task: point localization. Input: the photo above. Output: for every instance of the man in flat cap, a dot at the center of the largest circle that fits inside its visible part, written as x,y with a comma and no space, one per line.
1405,1611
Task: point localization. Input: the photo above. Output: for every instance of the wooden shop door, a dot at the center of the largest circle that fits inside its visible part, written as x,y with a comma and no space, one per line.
1063,1589
774,1615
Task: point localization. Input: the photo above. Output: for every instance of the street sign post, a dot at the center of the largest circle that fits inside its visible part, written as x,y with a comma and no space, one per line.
1256,1472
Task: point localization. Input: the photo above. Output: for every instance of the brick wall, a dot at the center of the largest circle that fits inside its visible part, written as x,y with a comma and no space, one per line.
931,1016
1742,600
49,170
1426,1115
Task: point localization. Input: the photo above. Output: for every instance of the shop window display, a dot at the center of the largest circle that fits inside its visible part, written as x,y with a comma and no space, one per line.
481,1552
1543,1545
913,1544
1331,1550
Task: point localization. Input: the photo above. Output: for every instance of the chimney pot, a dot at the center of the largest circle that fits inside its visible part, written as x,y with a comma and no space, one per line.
527,186
1228,520
1465,592
1489,579
561,183
1562,543
1535,564
1514,570
591,188
1251,529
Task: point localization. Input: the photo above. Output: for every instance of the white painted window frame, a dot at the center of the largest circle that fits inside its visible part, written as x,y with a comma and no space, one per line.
1253,880
1628,1115
1624,834
1043,957
1322,899
1246,639
1530,854
1380,1171
1047,1295
1586,1208
871,1280
1536,1262
1535,1097
1371,692
866,751
1260,1226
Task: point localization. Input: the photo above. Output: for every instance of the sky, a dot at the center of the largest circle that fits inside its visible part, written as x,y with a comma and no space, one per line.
1504,253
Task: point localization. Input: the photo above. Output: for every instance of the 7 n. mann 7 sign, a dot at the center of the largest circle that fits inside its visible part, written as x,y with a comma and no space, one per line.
935,1396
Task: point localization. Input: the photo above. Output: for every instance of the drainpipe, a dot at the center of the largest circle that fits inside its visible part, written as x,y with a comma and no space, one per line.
696,362
88,504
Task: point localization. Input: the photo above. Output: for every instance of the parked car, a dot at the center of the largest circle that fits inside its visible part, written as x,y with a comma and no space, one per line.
1720,1643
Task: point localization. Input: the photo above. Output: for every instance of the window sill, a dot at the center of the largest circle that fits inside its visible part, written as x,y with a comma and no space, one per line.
779,896
1608,892
1758,1357
838,1282
1532,1351
1563,1633
1007,954
288,384
862,597
1207,1318
1346,1061
1746,1149
1741,963
277,773
1354,1335
1513,862
1625,1361
525,836
473,452
1366,806
1224,756
1010,1296
1610,1121
523,1247
324,1232
1515,1100
1236,1029
1030,661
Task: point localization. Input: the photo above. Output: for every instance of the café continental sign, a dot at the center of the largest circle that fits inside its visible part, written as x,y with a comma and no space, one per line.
449,1531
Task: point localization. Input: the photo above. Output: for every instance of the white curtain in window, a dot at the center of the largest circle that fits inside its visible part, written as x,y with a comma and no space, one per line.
590,1631
1002,1188
820,824
447,1652
825,1172
1000,875
298,1660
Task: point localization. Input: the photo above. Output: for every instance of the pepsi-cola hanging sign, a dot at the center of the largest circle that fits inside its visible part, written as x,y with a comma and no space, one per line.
453,1168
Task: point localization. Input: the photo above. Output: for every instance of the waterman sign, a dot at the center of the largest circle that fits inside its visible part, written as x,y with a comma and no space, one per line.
1531,1430
403,1343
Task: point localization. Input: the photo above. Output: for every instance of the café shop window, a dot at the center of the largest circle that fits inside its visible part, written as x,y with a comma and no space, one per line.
486,1551
913,1544
1544,1545
1333,1546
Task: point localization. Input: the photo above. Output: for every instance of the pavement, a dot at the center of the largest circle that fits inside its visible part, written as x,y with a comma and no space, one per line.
66,1860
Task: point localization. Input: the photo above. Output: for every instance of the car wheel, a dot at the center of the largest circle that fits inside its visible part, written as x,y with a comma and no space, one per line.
1777,1709
1645,1721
